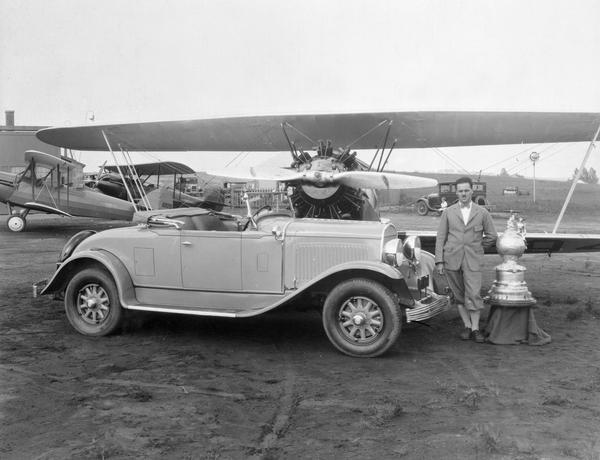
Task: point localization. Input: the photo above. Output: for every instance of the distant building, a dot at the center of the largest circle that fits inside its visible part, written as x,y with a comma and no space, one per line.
15,140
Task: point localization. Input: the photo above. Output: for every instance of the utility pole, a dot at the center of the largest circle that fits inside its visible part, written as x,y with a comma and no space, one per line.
534,156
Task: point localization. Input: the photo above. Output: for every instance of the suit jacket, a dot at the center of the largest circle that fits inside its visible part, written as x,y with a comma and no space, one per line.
456,241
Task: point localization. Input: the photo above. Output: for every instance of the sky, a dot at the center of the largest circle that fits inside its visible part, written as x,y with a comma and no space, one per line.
64,61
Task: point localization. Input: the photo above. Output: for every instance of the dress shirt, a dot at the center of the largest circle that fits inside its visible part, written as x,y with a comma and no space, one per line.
465,211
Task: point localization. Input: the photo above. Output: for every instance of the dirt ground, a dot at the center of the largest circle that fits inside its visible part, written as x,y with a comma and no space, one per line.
273,387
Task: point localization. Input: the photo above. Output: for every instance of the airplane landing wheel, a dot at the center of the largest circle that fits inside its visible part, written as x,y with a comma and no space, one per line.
16,223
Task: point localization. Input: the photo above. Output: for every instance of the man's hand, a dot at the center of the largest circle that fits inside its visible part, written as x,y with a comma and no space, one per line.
440,268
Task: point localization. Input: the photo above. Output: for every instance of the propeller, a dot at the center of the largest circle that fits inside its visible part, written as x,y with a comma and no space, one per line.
355,179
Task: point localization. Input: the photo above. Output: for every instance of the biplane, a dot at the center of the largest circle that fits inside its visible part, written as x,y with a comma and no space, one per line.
141,184
325,177
56,186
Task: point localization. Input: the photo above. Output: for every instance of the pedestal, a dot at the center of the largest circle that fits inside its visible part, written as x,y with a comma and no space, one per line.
514,326
511,320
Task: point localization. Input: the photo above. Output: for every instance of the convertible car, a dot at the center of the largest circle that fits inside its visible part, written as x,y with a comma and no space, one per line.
202,262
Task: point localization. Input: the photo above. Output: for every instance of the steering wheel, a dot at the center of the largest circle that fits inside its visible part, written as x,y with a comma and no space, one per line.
253,216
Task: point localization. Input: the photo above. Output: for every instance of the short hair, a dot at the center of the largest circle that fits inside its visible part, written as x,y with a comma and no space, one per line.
464,180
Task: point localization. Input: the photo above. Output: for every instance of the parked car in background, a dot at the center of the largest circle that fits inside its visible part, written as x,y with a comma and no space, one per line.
200,262
514,190
447,191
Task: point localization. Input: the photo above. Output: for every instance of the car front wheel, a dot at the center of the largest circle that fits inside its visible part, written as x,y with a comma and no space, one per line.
361,318
92,303
422,208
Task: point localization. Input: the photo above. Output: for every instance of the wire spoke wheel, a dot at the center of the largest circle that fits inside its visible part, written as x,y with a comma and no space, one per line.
360,320
361,317
93,304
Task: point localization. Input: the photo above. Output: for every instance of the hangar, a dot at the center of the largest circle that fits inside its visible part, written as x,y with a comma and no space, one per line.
15,140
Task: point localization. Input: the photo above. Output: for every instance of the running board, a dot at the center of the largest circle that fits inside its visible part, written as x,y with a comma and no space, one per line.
197,311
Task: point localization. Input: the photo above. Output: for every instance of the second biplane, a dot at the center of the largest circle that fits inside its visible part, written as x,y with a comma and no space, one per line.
56,186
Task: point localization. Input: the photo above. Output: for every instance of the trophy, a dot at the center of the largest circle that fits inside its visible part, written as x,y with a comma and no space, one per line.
509,288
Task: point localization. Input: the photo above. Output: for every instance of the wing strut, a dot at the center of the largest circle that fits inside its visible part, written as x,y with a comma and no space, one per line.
136,178
132,173
129,195
576,179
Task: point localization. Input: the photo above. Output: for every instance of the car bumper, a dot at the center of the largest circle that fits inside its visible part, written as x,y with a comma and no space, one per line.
427,307
39,287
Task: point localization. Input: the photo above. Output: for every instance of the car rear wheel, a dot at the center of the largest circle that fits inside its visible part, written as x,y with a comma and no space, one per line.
361,318
92,303
481,201
422,208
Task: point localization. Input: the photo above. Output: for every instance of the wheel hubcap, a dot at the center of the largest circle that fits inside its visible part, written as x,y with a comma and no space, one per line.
360,320
93,304
15,223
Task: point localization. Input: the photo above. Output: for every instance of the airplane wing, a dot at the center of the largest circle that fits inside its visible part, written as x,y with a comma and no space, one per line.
44,208
355,130
537,243
50,160
156,168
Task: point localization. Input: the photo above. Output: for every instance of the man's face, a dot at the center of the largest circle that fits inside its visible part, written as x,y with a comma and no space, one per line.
464,192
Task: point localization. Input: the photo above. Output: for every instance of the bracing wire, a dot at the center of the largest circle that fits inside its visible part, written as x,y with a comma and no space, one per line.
450,159
523,166
510,157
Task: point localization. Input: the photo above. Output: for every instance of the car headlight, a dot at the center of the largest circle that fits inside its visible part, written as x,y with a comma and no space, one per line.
396,252
392,251
73,242
411,249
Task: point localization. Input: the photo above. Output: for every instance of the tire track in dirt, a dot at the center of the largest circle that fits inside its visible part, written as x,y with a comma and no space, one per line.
282,418
288,402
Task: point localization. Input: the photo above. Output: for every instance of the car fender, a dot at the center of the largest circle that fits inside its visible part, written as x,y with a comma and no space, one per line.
379,267
361,268
80,260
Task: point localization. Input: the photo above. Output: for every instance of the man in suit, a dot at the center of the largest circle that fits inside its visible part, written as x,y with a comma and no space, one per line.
465,230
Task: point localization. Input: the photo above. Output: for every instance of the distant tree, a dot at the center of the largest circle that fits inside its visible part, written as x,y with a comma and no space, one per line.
592,177
589,177
575,172
504,172
582,176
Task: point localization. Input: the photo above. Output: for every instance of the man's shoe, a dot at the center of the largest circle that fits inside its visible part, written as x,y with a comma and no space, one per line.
478,336
465,334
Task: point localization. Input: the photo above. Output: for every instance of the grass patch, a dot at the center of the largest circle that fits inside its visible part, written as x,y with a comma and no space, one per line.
139,394
574,314
383,412
556,400
490,437
471,398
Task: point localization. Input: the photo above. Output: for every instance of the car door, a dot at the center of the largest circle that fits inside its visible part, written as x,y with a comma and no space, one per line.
154,260
262,262
211,260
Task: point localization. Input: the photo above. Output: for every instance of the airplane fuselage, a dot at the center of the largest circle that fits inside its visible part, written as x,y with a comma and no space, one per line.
77,201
